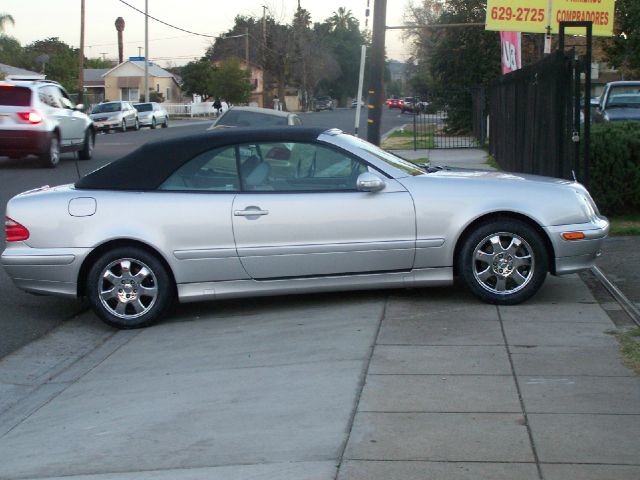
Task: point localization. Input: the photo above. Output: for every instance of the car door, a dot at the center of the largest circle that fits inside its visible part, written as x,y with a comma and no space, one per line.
300,214
51,96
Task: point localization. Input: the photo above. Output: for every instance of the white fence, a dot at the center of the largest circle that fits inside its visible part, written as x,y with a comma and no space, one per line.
191,109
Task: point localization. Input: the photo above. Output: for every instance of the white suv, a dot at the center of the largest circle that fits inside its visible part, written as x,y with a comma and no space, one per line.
38,118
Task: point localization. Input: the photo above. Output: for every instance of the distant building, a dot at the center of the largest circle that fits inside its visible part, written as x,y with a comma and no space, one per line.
126,82
15,73
94,83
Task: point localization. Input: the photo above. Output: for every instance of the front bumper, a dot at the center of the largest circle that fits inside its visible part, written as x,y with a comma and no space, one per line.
44,271
108,124
573,256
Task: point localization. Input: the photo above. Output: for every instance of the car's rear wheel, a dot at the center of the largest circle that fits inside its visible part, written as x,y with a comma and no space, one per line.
165,124
153,122
51,157
137,124
129,288
503,262
87,147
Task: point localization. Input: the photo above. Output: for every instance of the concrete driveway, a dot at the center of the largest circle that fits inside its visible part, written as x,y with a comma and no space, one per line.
372,385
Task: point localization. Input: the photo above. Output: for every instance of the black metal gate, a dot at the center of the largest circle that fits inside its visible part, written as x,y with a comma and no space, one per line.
443,119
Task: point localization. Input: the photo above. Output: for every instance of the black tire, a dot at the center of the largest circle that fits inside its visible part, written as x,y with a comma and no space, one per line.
136,125
165,124
153,122
503,262
122,296
87,147
123,127
51,158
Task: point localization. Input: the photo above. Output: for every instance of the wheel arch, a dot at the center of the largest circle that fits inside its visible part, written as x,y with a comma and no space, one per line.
506,216
110,245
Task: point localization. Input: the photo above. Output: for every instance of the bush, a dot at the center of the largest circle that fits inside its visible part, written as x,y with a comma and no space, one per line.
615,167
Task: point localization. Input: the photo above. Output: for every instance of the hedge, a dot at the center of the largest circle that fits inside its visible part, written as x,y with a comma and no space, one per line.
615,167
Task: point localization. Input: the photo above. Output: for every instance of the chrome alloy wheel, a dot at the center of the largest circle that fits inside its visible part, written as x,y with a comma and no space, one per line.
503,263
128,288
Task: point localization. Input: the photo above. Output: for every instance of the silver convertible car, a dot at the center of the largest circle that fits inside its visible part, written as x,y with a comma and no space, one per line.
247,212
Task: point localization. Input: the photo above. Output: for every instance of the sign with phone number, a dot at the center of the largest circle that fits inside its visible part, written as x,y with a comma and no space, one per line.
531,15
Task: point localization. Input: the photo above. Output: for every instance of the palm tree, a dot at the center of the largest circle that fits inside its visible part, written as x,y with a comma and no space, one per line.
5,18
343,19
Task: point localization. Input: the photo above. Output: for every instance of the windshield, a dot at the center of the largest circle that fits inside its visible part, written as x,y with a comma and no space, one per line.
385,156
107,107
144,107
624,96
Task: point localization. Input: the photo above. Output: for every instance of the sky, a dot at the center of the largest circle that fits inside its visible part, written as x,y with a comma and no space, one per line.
40,19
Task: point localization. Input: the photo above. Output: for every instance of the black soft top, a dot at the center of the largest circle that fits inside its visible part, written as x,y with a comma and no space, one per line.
148,166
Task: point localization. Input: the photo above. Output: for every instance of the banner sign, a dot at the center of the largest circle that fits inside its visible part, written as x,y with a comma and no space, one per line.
517,15
532,15
600,12
511,51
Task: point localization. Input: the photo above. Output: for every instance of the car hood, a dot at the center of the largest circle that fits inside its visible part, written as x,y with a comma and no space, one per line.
495,176
620,114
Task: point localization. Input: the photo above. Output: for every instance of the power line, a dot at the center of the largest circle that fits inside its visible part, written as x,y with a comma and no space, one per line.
167,24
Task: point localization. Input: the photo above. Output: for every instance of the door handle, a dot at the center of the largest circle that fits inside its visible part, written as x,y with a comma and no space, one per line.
250,212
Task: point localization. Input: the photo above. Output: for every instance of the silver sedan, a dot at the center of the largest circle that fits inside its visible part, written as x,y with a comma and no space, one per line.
246,212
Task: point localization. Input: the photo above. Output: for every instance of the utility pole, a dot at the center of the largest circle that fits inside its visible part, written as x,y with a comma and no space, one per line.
139,51
246,47
376,89
81,59
264,56
146,50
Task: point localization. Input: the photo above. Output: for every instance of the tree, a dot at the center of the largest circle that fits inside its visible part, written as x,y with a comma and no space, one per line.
197,78
97,63
623,50
231,82
455,59
5,19
10,51
344,38
55,58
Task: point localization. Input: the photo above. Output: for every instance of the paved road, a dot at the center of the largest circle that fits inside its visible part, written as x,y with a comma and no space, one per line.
24,317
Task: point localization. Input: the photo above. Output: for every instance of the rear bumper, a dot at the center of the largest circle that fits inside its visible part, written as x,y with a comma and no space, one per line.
23,142
45,271
573,256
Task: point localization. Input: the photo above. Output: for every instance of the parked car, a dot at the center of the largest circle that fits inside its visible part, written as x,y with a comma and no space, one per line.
256,117
393,102
354,103
409,104
619,101
115,115
38,118
152,114
248,212
323,103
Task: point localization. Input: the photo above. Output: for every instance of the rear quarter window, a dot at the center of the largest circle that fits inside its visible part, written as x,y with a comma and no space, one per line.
15,96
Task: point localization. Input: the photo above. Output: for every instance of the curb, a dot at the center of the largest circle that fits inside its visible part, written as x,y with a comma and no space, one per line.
626,304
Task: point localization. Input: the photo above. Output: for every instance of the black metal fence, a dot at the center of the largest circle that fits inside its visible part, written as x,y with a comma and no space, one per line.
531,112
444,119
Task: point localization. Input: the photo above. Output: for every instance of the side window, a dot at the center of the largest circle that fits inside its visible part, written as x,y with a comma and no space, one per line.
211,171
290,167
50,96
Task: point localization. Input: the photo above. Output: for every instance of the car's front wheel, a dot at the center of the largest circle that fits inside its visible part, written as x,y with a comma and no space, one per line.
129,288
503,261
123,127
153,122
137,124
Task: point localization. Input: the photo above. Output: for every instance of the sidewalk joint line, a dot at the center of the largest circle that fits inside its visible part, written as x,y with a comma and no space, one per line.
520,397
363,380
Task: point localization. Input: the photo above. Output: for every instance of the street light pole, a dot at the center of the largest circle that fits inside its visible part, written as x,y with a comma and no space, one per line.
146,50
81,57
376,89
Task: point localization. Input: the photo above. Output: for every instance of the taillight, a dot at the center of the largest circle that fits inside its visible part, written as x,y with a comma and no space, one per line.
31,117
14,231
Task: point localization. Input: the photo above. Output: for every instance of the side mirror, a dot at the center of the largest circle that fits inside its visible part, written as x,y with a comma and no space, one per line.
80,107
368,182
